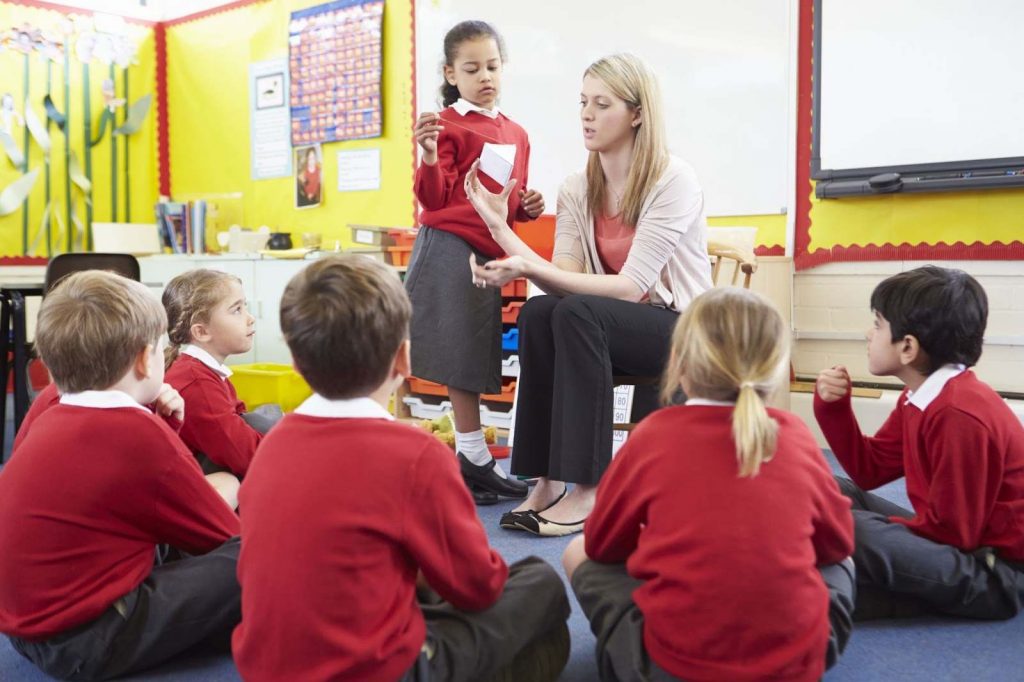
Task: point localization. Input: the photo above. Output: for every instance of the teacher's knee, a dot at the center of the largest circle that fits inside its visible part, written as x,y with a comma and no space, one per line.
574,311
538,309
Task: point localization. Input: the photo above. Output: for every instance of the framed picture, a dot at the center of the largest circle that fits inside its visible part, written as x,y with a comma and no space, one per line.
270,91
308,176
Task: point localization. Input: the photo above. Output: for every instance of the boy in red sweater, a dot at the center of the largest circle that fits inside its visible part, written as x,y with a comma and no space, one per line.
96,484
960,447
345,513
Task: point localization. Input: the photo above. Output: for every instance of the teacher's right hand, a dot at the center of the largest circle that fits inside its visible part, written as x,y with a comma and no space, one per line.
493,208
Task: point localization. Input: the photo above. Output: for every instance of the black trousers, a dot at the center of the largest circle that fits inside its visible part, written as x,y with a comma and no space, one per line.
182,603
569,350
522,637
901,574
605,593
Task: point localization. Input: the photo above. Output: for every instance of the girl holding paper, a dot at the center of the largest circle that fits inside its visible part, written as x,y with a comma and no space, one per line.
456,326
630,254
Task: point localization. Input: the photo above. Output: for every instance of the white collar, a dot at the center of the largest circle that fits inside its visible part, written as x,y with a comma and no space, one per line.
101,399
355,408
933,385
204,357
463,107
710,403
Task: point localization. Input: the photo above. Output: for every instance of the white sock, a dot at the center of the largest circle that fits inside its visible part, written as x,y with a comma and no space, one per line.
474,448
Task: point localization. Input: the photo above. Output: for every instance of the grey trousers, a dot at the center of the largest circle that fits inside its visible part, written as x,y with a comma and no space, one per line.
182,603
605,592
522,637
901,574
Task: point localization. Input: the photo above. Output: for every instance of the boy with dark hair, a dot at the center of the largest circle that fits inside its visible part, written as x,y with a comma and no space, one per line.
96,484
345,513
960,447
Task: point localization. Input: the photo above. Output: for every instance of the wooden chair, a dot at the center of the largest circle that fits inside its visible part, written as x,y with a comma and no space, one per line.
719,253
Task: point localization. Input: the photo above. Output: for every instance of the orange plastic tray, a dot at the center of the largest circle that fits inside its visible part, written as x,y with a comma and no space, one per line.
510,313
399,255
514,289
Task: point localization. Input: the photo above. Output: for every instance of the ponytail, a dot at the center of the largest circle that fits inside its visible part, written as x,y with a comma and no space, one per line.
753,430
449,94
730,344
171,354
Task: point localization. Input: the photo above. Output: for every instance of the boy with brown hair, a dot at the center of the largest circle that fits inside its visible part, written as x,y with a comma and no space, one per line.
960,447
345,513
96,485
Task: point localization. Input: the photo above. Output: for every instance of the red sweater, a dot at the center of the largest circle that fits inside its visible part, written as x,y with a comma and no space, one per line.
213,415
329,561
90,494
439,188
47,398
963,458
730,587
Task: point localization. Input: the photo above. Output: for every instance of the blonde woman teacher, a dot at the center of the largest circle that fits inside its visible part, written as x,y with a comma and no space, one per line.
630,254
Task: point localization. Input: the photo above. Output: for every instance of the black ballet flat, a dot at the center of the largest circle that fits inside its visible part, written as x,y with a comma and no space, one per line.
509,520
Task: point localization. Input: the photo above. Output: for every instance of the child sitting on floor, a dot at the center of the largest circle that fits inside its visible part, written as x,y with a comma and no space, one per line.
719,542
345,512
960,447
95,485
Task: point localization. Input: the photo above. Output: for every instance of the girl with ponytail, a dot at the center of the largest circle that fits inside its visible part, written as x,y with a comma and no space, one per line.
719,537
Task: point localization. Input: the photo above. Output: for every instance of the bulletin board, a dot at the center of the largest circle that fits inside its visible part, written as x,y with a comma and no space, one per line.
335,68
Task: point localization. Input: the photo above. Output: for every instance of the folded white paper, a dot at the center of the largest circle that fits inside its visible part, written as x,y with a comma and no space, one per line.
496,161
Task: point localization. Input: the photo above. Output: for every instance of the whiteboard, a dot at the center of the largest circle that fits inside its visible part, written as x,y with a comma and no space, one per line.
723,67
907,82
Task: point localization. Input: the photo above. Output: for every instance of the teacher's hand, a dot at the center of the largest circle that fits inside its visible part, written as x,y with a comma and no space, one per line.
493,208
497,273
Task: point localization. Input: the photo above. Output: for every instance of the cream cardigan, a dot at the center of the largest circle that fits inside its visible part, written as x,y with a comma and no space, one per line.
669,255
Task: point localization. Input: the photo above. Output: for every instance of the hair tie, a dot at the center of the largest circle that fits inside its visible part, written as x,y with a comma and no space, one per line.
747,384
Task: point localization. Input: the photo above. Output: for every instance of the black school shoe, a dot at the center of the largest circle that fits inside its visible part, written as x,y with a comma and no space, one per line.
484,478
483,497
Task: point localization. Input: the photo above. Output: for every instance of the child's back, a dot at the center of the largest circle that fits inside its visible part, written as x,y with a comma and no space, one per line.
731,589
366,502
82,508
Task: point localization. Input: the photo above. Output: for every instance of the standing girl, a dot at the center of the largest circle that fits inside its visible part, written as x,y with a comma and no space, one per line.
718,546
207,321
456,326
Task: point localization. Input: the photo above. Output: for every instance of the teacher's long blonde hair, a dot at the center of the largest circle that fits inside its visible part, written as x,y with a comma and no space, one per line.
632,80
731,345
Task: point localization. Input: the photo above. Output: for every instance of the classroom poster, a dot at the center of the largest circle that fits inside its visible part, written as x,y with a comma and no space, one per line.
335,69
359,170
270,143
308,175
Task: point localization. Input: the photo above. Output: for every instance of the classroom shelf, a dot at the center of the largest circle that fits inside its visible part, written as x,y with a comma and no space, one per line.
423,387
510,312
514,289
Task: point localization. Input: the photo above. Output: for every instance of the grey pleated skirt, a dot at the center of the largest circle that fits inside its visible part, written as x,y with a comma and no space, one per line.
456,326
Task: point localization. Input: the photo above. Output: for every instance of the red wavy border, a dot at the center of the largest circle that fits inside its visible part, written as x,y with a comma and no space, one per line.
163,137
213,10
412,21
775,250
23,260
805,258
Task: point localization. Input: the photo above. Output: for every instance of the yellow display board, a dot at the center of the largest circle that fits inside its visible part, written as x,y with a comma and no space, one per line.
985,217
208,93
140,190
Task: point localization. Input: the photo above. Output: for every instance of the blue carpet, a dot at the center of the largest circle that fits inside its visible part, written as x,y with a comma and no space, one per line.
930,649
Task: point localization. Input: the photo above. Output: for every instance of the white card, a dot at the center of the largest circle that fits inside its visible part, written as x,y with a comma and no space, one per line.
496,161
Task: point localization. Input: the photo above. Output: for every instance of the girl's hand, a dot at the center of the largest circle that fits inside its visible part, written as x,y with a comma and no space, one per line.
493,208
833,384
532,202
497,273
169,403
426,131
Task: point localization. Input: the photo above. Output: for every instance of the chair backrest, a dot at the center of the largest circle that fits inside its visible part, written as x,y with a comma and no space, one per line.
63,265
744,262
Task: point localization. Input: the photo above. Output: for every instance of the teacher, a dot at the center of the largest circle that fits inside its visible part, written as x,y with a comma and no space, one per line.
630,254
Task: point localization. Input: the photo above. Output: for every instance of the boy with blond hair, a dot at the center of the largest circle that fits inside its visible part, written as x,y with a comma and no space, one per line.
95,486
345,513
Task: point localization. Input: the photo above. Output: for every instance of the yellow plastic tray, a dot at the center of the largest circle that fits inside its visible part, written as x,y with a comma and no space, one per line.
264,382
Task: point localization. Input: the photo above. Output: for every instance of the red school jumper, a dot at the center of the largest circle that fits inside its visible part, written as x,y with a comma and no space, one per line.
963,457
338,515
213,415
731,589
89,495
439,188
